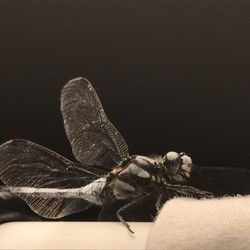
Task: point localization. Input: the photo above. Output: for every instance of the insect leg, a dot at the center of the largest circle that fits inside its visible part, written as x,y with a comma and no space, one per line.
158,203
125,207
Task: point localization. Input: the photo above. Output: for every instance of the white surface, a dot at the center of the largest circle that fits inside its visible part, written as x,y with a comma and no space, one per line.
212,224
73,235
183,224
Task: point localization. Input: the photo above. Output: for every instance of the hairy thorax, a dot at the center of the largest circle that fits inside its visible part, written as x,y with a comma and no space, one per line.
138,176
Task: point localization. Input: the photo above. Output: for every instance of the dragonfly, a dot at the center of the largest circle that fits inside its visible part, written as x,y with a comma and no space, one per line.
105,173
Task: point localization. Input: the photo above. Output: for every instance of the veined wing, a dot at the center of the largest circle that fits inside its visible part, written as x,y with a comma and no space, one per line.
50,184
94,139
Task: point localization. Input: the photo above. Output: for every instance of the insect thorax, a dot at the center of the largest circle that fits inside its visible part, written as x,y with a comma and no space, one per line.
134,178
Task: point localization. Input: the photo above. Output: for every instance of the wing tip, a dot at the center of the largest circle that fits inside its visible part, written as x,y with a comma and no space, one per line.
75,81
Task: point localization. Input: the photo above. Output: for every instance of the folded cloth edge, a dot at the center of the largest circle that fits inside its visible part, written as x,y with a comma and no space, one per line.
208,224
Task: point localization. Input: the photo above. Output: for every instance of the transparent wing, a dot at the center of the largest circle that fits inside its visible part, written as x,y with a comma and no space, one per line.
50,184
94,140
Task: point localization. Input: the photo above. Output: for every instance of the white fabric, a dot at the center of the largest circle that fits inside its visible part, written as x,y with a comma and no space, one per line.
73,236
211,224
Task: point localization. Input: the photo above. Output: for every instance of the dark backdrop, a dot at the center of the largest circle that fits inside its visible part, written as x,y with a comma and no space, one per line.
172,75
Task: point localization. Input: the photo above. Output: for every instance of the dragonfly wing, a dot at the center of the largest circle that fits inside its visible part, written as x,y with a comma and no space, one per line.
94,139
46,181
221,180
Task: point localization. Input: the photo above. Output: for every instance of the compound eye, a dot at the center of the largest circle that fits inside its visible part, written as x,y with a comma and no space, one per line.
186,159
186,166
171,156
172,161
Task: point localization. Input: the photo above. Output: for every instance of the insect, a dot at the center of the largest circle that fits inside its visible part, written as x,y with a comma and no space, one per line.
54,187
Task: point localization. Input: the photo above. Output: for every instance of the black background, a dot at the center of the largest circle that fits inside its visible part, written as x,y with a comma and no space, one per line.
172,75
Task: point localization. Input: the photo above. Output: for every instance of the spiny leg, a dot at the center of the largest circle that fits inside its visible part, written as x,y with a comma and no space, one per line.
125,207
121,219
158,203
